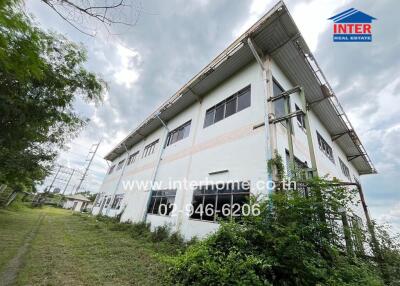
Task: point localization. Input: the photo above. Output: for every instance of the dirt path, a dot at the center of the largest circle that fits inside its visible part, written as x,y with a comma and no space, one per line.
10,272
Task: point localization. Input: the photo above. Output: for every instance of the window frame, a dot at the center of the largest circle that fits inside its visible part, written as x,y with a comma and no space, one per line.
216,194
278,101
132,158
120,164
116,204
179,130
325,147
157,194
300,118
345,169
149,148
223,103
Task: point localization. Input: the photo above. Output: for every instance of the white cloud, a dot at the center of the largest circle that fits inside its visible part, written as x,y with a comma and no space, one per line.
257,9
312,18
127,72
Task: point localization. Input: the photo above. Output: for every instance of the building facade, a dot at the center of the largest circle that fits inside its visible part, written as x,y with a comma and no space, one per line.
263,95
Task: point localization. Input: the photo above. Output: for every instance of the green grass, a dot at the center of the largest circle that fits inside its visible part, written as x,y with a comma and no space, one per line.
73,249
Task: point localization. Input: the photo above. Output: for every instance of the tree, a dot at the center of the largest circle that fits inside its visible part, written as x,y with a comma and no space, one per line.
83,15
41,74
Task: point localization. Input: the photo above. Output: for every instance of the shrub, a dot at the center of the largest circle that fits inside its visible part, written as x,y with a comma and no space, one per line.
287,244
160,233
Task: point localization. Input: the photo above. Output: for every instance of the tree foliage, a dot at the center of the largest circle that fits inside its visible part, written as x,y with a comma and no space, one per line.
287,244
41,74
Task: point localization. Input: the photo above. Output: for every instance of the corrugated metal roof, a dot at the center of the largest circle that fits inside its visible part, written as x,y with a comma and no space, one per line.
275,34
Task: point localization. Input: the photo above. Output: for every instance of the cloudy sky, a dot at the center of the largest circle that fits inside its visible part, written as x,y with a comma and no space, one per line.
171,41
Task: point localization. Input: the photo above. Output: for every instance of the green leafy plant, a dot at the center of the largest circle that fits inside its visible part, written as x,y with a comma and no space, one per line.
287,244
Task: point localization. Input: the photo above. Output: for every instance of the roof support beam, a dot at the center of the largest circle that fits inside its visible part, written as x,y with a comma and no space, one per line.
254,49
350,158
198,97
337,136
285,93
287,117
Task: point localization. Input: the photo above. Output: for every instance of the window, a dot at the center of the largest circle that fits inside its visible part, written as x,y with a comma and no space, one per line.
280,103
244,99
107,200
325,147
345,169
149,149
97,201
299,167
117,202
178,133
120,164
300,118
132,157
111,169
222,200
229,106
162,202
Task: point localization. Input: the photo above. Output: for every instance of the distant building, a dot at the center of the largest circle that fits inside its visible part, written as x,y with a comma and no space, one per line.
77,203
264,94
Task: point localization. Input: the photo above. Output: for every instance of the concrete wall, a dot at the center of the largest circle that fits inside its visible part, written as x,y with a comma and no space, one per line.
232,144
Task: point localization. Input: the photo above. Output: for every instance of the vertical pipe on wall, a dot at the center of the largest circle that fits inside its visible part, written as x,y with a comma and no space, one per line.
119,180
270,131
289,131
162,147
308,132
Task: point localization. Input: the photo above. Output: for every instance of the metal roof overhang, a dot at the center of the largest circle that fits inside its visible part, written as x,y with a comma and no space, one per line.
277,35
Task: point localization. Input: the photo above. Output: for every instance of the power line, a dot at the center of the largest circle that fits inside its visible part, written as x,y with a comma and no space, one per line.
89,159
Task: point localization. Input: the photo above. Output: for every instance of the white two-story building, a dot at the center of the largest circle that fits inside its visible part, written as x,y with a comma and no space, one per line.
264,94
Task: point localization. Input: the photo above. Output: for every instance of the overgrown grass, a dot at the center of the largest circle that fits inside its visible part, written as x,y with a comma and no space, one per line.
71,249
14,226
161,238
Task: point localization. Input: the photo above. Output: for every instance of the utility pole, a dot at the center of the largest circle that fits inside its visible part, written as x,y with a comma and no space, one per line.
55,177
69,179
89,159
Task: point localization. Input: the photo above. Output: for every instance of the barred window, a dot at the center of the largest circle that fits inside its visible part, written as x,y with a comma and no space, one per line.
120,164
178,133
325,148
117,201
149,149
345,169
222,200
231,105
162,202
132,157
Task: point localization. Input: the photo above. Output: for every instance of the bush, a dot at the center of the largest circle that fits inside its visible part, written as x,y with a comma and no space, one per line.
160,233
287,244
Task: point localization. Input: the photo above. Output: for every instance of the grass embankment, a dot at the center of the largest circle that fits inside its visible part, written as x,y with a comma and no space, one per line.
72,249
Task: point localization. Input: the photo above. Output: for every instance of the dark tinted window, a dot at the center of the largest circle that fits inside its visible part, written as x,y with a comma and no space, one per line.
178,133
280,103
229,106
161,202
209,117
244,99
219,112
223,200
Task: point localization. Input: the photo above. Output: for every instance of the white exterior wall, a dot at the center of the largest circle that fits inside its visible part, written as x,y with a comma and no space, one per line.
69,204
231,144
